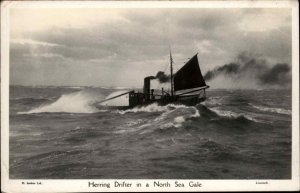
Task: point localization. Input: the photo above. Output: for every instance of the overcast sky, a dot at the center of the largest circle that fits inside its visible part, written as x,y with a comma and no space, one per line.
119,47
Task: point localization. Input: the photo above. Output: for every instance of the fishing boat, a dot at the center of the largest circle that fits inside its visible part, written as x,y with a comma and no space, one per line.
187,87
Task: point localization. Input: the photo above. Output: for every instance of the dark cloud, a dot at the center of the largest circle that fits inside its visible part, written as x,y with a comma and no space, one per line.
139,41
141,35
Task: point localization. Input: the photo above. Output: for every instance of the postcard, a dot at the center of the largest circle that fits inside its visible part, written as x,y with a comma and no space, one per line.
139,96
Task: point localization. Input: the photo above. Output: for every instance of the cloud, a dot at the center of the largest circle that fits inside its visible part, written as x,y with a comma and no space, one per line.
137,40
265,19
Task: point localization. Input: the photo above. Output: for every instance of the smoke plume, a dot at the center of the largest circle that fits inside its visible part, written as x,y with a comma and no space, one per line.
278,74
253,70
162,77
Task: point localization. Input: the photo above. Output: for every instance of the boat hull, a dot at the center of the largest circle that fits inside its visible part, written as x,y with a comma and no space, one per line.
183,100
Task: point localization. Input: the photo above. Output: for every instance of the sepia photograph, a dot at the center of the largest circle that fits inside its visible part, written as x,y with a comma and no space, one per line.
130,92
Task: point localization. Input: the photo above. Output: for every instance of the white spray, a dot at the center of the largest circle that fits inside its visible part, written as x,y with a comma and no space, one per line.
78,102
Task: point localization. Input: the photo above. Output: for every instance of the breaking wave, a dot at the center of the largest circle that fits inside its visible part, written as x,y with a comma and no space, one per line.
272,110
231,114
78,102
172,116
154,107
176,117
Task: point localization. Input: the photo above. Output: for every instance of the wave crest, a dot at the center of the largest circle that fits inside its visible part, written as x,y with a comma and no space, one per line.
231,114
154,107
273,110
78,102
172,116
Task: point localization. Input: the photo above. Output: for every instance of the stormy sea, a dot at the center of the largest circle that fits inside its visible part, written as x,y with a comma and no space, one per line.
58,133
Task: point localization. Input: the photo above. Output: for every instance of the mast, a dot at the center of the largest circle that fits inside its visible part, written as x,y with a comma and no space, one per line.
171,69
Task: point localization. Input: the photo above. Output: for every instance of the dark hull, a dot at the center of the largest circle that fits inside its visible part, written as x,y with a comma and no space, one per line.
183,100
104,107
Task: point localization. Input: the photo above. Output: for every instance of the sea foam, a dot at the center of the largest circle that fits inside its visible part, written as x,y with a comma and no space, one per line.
78,102
231,114
273,110
171,116
154,107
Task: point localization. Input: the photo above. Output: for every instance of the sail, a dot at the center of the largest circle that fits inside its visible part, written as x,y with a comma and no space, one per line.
189,76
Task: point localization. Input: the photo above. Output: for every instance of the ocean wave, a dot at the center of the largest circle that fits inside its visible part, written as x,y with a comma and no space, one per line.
136,122
172,116
133,126
154,107
177,122
217,151
231,114
272,110
212,101
74,87
176,117
77,102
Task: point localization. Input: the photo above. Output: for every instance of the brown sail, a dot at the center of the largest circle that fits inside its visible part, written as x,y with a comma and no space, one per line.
189,76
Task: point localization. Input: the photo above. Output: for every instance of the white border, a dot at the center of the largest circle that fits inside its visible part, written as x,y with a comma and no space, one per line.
8,185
